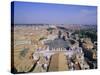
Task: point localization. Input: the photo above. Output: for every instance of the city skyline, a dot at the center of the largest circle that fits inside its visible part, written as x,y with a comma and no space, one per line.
31,13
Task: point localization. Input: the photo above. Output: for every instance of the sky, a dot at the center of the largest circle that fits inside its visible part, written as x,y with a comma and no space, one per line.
31,13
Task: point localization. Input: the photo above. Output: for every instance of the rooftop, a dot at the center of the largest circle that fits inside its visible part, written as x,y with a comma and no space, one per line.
61,62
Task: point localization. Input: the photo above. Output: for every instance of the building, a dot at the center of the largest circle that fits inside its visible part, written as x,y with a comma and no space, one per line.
60,64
